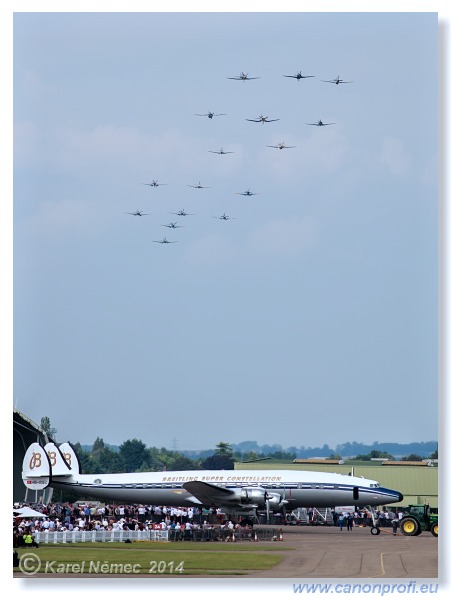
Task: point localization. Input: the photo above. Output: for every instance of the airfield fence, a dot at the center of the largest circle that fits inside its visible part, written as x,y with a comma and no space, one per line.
214,534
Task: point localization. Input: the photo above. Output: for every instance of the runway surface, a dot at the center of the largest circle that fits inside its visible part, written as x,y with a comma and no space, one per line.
327,552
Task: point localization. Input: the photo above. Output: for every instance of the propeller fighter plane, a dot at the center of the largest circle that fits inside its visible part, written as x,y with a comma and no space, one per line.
299,76
224,217
198,186
181,213
220,151
137,213
154,183
243,77
247,193
319,123
337,80
165,241
280,146
210,115
173,225
262,119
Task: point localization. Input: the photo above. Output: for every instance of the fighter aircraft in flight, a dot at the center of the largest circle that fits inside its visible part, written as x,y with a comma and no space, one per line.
337,80
319,123
243,77
247,193
299,76
198,186
221,151
181,213
280,146
224,217
173,225
154,183
262,119
165,241
210,115
251,490
137,213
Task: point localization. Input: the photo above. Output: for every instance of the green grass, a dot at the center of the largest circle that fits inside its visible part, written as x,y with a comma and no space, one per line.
154,558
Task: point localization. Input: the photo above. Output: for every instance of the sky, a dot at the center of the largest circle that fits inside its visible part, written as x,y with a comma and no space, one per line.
309,317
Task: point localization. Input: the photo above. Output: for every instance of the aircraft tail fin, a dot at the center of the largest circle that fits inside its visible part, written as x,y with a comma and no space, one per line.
58,463
36,469
71,458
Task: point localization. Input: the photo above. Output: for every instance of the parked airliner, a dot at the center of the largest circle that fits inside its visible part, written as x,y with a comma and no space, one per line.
247,490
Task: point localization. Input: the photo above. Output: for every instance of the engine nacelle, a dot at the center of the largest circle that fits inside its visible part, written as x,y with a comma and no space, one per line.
275,502
255,496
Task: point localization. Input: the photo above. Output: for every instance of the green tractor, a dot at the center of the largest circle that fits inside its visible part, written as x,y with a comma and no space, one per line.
419,518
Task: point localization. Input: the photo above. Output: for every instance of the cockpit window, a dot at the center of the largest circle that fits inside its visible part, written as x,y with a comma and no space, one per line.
376,484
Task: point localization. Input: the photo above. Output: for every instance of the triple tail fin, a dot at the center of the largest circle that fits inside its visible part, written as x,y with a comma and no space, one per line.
40,464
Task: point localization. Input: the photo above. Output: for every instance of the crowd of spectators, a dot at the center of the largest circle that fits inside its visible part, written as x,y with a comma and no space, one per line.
181,522
91,516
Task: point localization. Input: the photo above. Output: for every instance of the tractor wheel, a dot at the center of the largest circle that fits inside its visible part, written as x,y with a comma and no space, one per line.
410,526
375,531
434,529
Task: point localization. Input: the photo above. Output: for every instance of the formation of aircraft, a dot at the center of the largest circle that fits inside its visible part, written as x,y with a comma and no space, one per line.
137,213
319,123
154,183
337,80
233,491
210,115
280,146
262,119
220,151
164,241
243,77
299,76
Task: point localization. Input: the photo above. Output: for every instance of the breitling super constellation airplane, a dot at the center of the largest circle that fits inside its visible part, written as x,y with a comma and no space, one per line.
247,490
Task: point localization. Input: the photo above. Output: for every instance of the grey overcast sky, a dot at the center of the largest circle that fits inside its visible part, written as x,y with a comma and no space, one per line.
311,316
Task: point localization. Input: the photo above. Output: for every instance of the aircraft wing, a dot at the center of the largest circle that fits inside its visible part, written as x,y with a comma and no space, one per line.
208,493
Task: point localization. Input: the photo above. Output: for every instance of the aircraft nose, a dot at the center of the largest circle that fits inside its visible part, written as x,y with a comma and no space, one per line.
400,497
